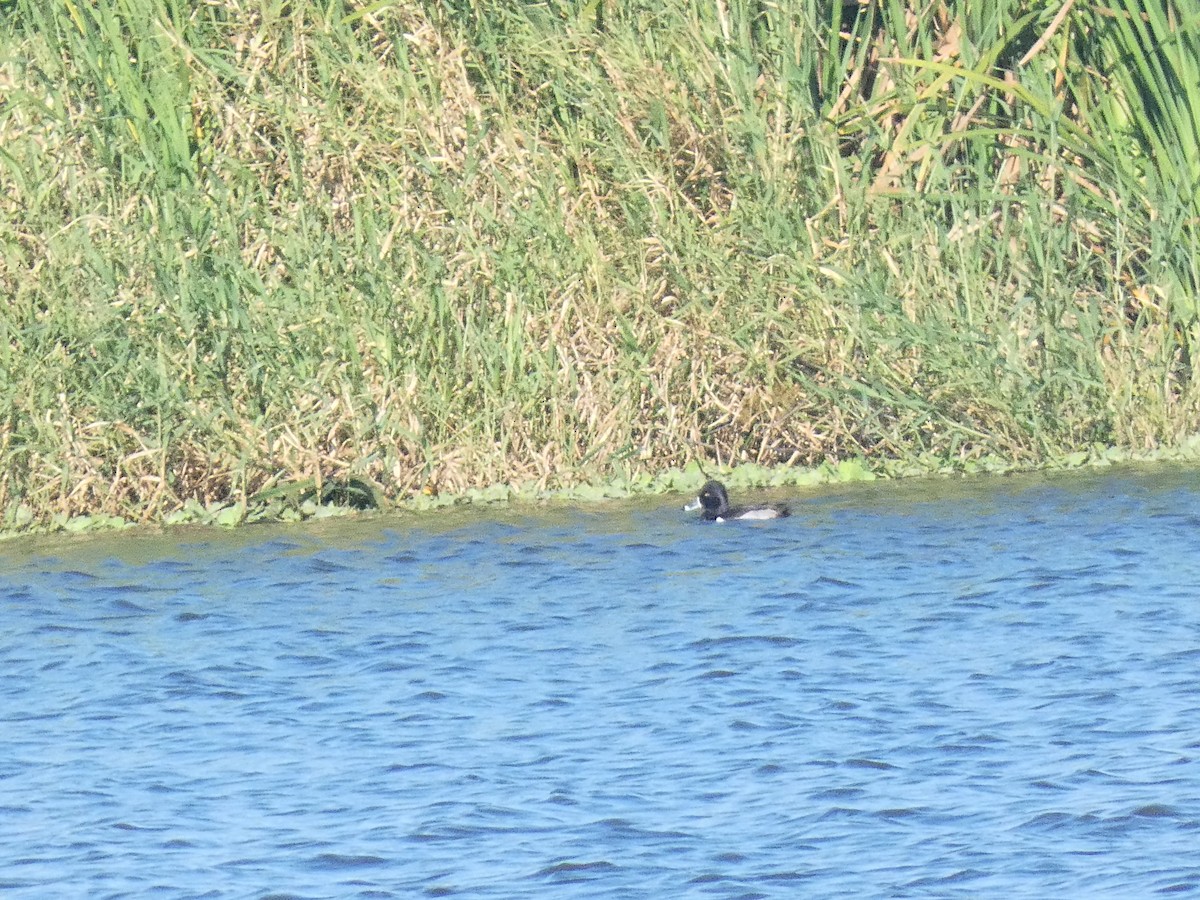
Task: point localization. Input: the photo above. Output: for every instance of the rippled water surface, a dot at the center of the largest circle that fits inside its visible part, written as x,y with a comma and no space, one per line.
926,689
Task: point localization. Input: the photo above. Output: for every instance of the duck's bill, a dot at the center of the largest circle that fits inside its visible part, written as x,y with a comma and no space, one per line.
691,507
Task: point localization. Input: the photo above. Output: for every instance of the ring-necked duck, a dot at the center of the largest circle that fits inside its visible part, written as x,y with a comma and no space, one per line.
716,506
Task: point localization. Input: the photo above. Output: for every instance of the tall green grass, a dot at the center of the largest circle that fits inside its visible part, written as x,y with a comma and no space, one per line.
254,242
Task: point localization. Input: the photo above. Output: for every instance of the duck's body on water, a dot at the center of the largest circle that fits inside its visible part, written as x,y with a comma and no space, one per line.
714,500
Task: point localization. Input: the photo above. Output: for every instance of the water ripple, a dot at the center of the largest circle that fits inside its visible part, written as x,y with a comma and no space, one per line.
929,690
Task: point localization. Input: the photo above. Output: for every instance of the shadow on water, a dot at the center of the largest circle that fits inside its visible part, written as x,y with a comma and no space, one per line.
927,688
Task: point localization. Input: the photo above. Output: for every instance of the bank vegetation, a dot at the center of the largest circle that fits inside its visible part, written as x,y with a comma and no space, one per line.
421,246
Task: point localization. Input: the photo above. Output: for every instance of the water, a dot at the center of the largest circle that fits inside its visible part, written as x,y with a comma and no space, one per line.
929,689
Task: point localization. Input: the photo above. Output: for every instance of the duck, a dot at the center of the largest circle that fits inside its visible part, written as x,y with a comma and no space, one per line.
714,500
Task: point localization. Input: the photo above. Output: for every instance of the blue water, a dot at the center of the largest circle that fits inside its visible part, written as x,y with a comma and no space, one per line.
946,689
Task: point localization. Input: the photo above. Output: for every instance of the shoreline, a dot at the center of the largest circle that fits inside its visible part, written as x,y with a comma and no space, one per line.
682,481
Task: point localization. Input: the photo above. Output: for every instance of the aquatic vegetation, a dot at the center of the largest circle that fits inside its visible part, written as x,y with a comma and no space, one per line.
558,249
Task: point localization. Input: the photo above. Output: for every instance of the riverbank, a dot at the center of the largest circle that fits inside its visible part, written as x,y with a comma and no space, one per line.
253,252
302,502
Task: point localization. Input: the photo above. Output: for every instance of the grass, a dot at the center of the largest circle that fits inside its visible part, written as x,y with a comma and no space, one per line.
263,246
